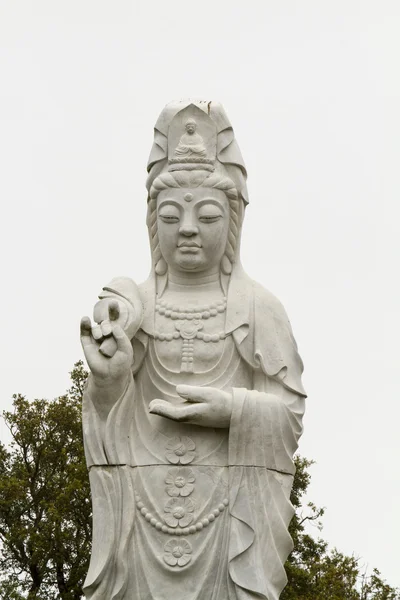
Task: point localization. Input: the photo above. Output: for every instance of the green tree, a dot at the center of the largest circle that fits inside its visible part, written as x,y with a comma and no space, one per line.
314,572
45,509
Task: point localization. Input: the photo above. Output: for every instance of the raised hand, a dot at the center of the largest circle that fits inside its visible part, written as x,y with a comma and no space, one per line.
106,368
109,309
206,406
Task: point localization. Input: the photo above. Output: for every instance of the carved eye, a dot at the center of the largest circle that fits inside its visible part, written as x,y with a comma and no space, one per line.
169,218
210,218
209,213
169,214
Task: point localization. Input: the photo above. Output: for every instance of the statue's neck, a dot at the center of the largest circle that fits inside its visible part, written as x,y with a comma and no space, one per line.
192,279
192,283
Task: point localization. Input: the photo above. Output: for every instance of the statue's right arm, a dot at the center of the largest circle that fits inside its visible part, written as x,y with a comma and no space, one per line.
108,343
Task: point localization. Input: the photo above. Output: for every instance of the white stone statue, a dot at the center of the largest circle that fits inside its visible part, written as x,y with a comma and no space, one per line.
194,405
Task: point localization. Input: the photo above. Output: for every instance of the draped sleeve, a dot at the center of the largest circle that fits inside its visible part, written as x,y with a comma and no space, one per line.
266,425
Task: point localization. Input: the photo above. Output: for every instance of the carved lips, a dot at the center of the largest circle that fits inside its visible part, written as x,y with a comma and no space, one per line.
189,247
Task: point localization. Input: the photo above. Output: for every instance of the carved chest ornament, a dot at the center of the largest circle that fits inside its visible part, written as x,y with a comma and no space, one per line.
188,327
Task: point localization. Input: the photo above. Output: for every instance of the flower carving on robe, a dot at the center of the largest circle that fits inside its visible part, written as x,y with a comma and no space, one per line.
180,450
180,482
177,552
179,511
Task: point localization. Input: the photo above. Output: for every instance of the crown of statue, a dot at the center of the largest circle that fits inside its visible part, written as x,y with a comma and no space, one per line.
192,135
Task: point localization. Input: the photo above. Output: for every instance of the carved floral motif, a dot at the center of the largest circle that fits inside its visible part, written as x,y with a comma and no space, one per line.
179,512
177,552
180,450
180,482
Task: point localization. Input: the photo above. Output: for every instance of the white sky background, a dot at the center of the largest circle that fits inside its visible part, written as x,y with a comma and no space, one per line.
312,90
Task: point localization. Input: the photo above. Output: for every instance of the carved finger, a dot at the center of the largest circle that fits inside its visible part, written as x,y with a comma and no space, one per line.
97,333
113,310
123,342
109,347
100,311
86,331
175,413
106,328
194,393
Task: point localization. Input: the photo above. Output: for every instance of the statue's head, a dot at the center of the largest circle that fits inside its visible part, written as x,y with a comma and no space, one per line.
191,126
196,200
194,219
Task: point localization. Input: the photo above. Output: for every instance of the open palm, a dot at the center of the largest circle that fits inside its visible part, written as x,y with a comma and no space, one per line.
205,406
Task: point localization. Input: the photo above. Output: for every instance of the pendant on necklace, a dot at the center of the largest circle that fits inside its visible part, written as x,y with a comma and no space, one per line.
188,331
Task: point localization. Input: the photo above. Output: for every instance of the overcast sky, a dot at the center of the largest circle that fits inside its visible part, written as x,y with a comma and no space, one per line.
312,90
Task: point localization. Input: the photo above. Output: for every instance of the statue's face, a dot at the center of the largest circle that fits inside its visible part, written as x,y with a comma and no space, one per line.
193,231
190,127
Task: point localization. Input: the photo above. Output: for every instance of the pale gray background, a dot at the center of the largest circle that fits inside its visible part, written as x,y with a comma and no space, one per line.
312,89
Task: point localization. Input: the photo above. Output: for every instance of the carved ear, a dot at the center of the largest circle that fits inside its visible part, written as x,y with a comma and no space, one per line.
226,265
161,267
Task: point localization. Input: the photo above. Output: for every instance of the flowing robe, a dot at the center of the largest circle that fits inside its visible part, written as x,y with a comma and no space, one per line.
193,513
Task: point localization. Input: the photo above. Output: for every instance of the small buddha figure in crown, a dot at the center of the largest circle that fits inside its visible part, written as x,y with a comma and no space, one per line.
191,142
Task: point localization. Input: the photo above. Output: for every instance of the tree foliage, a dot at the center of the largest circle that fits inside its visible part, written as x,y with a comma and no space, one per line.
45,514
45,509
314,572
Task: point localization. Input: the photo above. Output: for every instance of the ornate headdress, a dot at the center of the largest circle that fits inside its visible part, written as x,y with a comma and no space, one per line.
196,135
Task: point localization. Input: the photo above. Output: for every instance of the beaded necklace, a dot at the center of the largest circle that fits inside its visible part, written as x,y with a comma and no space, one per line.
188,327
173,311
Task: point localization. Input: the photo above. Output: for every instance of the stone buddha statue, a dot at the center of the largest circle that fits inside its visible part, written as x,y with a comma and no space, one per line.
194,405
191,143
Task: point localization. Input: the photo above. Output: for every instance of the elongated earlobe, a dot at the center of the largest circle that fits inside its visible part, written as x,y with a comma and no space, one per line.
226,265
161,267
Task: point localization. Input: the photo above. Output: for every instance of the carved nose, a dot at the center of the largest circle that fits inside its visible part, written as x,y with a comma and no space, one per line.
188,230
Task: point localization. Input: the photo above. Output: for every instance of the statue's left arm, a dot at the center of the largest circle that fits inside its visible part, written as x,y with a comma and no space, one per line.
265,426
264,432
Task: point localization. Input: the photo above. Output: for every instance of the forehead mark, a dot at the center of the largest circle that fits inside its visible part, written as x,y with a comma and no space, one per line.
188,197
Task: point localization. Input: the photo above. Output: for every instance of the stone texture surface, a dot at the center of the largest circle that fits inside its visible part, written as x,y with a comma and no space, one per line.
194,405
